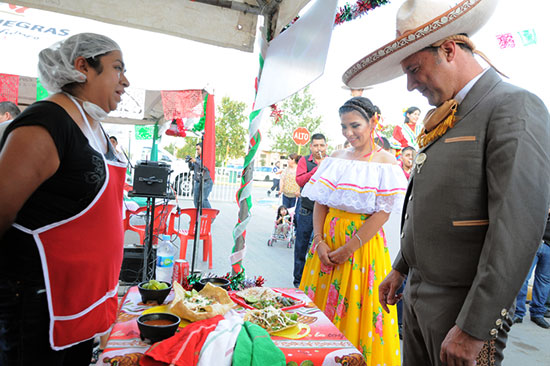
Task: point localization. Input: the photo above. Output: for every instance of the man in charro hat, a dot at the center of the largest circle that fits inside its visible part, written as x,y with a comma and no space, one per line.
478,195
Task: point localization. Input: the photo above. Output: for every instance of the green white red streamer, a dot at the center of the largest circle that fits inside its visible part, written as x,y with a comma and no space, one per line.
244,194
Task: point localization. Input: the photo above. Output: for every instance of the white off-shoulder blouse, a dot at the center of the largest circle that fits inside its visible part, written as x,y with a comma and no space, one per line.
357,186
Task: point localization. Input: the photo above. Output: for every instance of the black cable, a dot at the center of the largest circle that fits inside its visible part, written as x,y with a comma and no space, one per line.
127,158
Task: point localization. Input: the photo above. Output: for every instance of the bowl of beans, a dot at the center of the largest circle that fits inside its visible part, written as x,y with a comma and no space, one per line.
155,327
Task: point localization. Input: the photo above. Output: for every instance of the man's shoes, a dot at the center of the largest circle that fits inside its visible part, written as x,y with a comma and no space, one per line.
547,314
518,320
539,320
269,193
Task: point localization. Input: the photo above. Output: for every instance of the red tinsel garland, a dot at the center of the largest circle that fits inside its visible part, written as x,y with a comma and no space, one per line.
350,12
276,113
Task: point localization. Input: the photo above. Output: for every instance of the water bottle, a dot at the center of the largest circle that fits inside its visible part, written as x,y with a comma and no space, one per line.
165,259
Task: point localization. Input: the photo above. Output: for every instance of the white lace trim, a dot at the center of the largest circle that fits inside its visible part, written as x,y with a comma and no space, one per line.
357,186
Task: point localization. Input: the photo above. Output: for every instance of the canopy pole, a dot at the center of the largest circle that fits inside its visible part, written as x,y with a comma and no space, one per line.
244,194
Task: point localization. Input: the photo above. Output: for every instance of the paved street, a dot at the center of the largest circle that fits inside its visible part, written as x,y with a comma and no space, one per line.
528,344
274,263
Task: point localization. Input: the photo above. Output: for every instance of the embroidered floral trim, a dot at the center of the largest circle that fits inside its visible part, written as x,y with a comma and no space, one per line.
408,39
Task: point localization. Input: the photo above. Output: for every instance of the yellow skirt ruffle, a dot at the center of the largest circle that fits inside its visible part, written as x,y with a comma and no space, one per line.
348,293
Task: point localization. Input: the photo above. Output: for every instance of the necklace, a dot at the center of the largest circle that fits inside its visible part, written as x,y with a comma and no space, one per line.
367,155
371,153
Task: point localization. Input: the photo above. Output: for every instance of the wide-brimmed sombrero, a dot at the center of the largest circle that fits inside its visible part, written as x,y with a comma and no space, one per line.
419,24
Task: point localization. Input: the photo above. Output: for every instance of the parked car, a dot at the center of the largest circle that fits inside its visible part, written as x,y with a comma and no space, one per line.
263,173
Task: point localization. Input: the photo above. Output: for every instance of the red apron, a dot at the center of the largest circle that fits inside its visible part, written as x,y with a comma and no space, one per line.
81,260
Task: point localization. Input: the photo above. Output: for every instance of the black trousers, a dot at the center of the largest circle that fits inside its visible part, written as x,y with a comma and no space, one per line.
24,330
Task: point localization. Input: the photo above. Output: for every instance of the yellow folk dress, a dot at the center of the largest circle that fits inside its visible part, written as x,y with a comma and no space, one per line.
348,293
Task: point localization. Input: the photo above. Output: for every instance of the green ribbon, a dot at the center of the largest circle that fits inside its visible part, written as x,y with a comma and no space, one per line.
144,132
199,126
41,92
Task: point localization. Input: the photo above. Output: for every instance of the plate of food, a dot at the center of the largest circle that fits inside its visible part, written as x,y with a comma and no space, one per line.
271,319
205,304
263,297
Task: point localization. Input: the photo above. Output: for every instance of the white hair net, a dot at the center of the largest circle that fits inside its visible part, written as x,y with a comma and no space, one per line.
56,63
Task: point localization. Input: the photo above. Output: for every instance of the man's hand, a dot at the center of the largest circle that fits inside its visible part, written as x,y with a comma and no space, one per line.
388,288
460,348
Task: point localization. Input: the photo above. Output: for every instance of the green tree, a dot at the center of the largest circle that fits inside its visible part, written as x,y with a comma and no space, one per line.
297,111
231,136
188,148
171,148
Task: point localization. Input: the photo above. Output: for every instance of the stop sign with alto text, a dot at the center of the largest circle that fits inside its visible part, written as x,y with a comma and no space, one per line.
301,136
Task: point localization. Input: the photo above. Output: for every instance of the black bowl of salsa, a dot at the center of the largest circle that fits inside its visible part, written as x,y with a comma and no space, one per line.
156,327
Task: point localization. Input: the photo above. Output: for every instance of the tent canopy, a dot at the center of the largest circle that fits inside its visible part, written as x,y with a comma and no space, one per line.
222,23
152,106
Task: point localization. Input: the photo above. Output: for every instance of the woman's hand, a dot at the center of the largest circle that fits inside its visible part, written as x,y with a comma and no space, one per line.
341,254
323,250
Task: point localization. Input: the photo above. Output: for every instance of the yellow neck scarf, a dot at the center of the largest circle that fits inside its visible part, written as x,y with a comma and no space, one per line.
437,122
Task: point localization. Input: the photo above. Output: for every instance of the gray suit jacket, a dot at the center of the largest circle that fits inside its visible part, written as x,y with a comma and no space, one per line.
475,211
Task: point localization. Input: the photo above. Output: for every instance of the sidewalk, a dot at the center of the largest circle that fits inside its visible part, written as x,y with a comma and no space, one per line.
275,264
528,344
